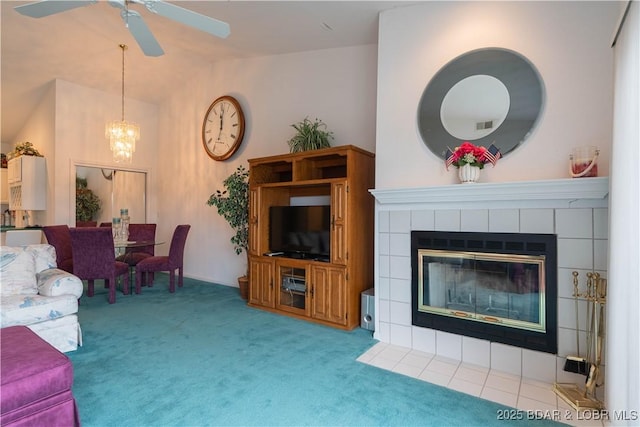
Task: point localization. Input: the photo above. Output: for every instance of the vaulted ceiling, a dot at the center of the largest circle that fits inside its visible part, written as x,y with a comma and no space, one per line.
81,45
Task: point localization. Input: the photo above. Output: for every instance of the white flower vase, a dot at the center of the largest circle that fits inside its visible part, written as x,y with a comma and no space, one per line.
468,174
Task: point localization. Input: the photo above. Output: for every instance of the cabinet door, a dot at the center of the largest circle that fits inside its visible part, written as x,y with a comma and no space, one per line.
27,183
328,294
339,206
15,170
254,231
291,289
261,289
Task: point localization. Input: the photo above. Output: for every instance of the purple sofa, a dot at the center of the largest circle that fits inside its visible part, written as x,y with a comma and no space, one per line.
36,381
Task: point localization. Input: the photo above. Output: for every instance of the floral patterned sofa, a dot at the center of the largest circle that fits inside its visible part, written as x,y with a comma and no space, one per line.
36,294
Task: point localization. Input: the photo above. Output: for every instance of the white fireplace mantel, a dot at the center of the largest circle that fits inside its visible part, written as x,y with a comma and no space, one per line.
556,193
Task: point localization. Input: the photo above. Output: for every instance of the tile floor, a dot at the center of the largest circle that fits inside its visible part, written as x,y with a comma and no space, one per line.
533,398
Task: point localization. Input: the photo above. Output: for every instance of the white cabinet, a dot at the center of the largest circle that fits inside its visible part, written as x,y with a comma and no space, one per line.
4,186
27,183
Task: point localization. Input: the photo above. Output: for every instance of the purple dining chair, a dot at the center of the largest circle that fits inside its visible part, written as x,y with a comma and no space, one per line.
86,223
58,236
94,258
169,263
140,233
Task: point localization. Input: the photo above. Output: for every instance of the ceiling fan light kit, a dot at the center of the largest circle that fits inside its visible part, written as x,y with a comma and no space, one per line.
133,20
122,135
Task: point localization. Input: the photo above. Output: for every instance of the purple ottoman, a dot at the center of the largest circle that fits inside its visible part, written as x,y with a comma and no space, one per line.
36,381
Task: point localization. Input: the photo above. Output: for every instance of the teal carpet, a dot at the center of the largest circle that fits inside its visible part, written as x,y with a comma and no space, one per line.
202,357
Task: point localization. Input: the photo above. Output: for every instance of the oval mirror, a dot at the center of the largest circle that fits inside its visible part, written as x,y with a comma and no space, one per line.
489,96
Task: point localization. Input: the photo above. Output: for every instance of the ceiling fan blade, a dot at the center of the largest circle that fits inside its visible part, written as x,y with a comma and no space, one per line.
193,19
141,33
44,8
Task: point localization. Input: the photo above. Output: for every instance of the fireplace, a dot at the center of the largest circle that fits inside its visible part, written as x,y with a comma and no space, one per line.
500,287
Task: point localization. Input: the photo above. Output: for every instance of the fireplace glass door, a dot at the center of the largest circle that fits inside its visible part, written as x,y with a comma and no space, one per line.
501,289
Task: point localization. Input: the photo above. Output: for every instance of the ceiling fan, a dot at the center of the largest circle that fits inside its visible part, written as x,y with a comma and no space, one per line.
133,20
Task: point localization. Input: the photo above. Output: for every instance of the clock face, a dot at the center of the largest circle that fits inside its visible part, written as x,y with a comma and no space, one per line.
223,128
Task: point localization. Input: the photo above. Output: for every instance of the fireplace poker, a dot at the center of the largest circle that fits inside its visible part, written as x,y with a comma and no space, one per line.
576,364
599,297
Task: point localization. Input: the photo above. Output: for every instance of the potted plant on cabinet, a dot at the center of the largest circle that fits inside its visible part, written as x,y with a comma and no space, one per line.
233,205
311,135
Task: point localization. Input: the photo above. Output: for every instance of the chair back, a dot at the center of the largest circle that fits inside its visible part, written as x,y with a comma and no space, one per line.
86,223
176,251
142,232
93,252
105,224
58,236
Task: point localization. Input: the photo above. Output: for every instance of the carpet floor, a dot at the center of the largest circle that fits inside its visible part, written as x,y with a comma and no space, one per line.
202,357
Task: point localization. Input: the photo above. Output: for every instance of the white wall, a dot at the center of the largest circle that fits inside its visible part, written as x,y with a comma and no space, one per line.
40,131
79,139
623,317
568,42
337,86
68,129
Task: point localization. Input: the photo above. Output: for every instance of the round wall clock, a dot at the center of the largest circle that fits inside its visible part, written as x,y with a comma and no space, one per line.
223,128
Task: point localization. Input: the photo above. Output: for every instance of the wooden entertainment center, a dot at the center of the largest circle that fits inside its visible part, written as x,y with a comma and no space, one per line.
322,290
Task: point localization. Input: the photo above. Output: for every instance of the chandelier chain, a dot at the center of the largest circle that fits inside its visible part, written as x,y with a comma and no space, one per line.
123,47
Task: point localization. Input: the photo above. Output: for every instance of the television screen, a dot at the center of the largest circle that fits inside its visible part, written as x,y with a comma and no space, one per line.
300,230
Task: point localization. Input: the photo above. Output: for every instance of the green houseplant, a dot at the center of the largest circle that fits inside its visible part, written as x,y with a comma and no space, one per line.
233,205
310,135
87,203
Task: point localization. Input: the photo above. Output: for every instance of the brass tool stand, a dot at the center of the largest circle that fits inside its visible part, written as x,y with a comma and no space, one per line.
580,398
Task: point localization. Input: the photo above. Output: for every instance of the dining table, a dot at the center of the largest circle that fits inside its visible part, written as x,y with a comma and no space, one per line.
121,247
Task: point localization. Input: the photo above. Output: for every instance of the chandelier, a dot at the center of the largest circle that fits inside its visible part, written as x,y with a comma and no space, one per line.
122,134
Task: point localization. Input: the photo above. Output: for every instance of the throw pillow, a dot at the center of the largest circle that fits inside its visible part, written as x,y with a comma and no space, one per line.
17,267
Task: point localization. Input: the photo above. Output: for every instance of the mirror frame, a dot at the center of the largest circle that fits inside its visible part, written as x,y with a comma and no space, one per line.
104,167
526,92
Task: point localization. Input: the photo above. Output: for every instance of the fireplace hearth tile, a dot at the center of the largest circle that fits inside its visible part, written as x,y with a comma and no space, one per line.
532,405
399,222
443,366
435,378
575,253
465,387
536,221
499,396
504,221
407,370
474,220
476,351
507,358
503,382
394,353
601,223
575,223
447,220
418,359
449,345
422,220
469,374
538,391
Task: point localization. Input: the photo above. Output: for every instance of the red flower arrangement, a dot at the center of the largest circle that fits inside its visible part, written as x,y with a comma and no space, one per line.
474,155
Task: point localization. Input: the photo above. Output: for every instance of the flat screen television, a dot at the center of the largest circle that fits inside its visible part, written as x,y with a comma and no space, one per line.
300,231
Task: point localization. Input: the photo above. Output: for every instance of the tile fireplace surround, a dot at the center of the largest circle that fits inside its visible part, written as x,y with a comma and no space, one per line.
576,210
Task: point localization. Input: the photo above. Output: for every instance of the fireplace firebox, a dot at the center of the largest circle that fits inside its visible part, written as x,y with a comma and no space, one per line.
500,287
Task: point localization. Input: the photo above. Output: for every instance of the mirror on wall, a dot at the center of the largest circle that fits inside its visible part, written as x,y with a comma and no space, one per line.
116,189
487,96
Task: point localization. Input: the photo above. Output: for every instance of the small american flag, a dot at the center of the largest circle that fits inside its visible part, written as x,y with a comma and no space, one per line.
492,154
448,158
